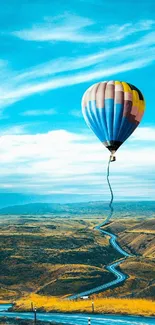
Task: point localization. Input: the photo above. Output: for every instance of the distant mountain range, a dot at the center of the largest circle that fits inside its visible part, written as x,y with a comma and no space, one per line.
10,199
127,209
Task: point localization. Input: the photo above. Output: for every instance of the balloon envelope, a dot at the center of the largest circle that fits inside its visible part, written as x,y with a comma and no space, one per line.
113,110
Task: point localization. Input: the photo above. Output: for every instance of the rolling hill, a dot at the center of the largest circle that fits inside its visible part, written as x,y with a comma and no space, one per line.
125,209
138,238
58,256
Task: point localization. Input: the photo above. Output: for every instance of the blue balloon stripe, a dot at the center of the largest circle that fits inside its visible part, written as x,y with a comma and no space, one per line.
124,126
96,120
93,128
129,130
94,113
102,117
91,123
94,117
118,113
109,112
112,122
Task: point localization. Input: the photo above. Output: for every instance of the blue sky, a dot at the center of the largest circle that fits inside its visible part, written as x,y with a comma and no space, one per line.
51,52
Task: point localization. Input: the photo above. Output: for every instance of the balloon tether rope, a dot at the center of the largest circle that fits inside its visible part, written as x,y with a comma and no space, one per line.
111,191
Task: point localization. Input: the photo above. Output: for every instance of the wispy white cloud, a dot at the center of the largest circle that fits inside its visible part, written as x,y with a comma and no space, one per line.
59,82
64,64
72,71
76,113
148,134
62,162
17,129
71,28
39,112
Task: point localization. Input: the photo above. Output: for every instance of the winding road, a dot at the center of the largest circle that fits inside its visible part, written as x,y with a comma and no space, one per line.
120,276
78,319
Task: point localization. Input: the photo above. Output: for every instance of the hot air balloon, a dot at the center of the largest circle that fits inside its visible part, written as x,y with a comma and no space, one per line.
113,110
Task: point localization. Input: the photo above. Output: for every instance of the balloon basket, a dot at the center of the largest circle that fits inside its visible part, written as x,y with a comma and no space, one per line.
112,158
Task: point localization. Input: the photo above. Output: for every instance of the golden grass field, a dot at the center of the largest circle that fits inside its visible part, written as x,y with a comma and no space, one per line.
141,307
42,260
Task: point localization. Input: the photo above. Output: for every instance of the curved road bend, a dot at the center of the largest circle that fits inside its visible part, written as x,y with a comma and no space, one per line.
120,276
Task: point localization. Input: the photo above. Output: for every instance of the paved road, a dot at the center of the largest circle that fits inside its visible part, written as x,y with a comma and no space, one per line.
82,319
120,276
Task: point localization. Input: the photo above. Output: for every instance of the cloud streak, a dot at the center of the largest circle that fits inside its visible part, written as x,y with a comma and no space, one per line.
60,82
63,64
89,68
69,71
39,112
71,28
62,162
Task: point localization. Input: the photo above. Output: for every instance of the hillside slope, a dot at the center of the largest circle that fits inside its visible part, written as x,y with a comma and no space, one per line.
56,256
99,208
138,237
59,256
